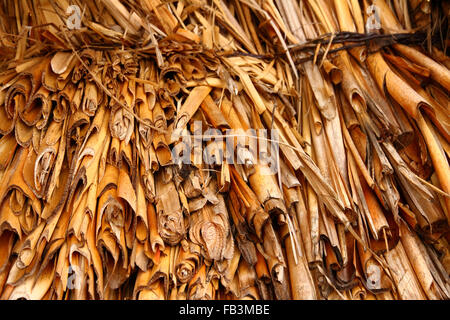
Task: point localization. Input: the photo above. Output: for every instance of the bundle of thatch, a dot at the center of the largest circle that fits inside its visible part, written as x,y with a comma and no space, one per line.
118,118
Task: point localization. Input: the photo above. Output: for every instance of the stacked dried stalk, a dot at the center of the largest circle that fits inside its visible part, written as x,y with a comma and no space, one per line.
94,205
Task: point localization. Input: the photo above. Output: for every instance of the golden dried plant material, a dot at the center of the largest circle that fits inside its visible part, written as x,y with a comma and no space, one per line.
107,185
170,220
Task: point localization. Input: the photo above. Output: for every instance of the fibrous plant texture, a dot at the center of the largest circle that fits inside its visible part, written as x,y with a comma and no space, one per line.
212,149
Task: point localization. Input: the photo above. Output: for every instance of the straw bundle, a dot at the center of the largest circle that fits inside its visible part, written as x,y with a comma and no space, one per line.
107,191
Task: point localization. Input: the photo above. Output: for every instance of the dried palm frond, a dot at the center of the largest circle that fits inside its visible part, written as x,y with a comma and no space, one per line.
234,149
